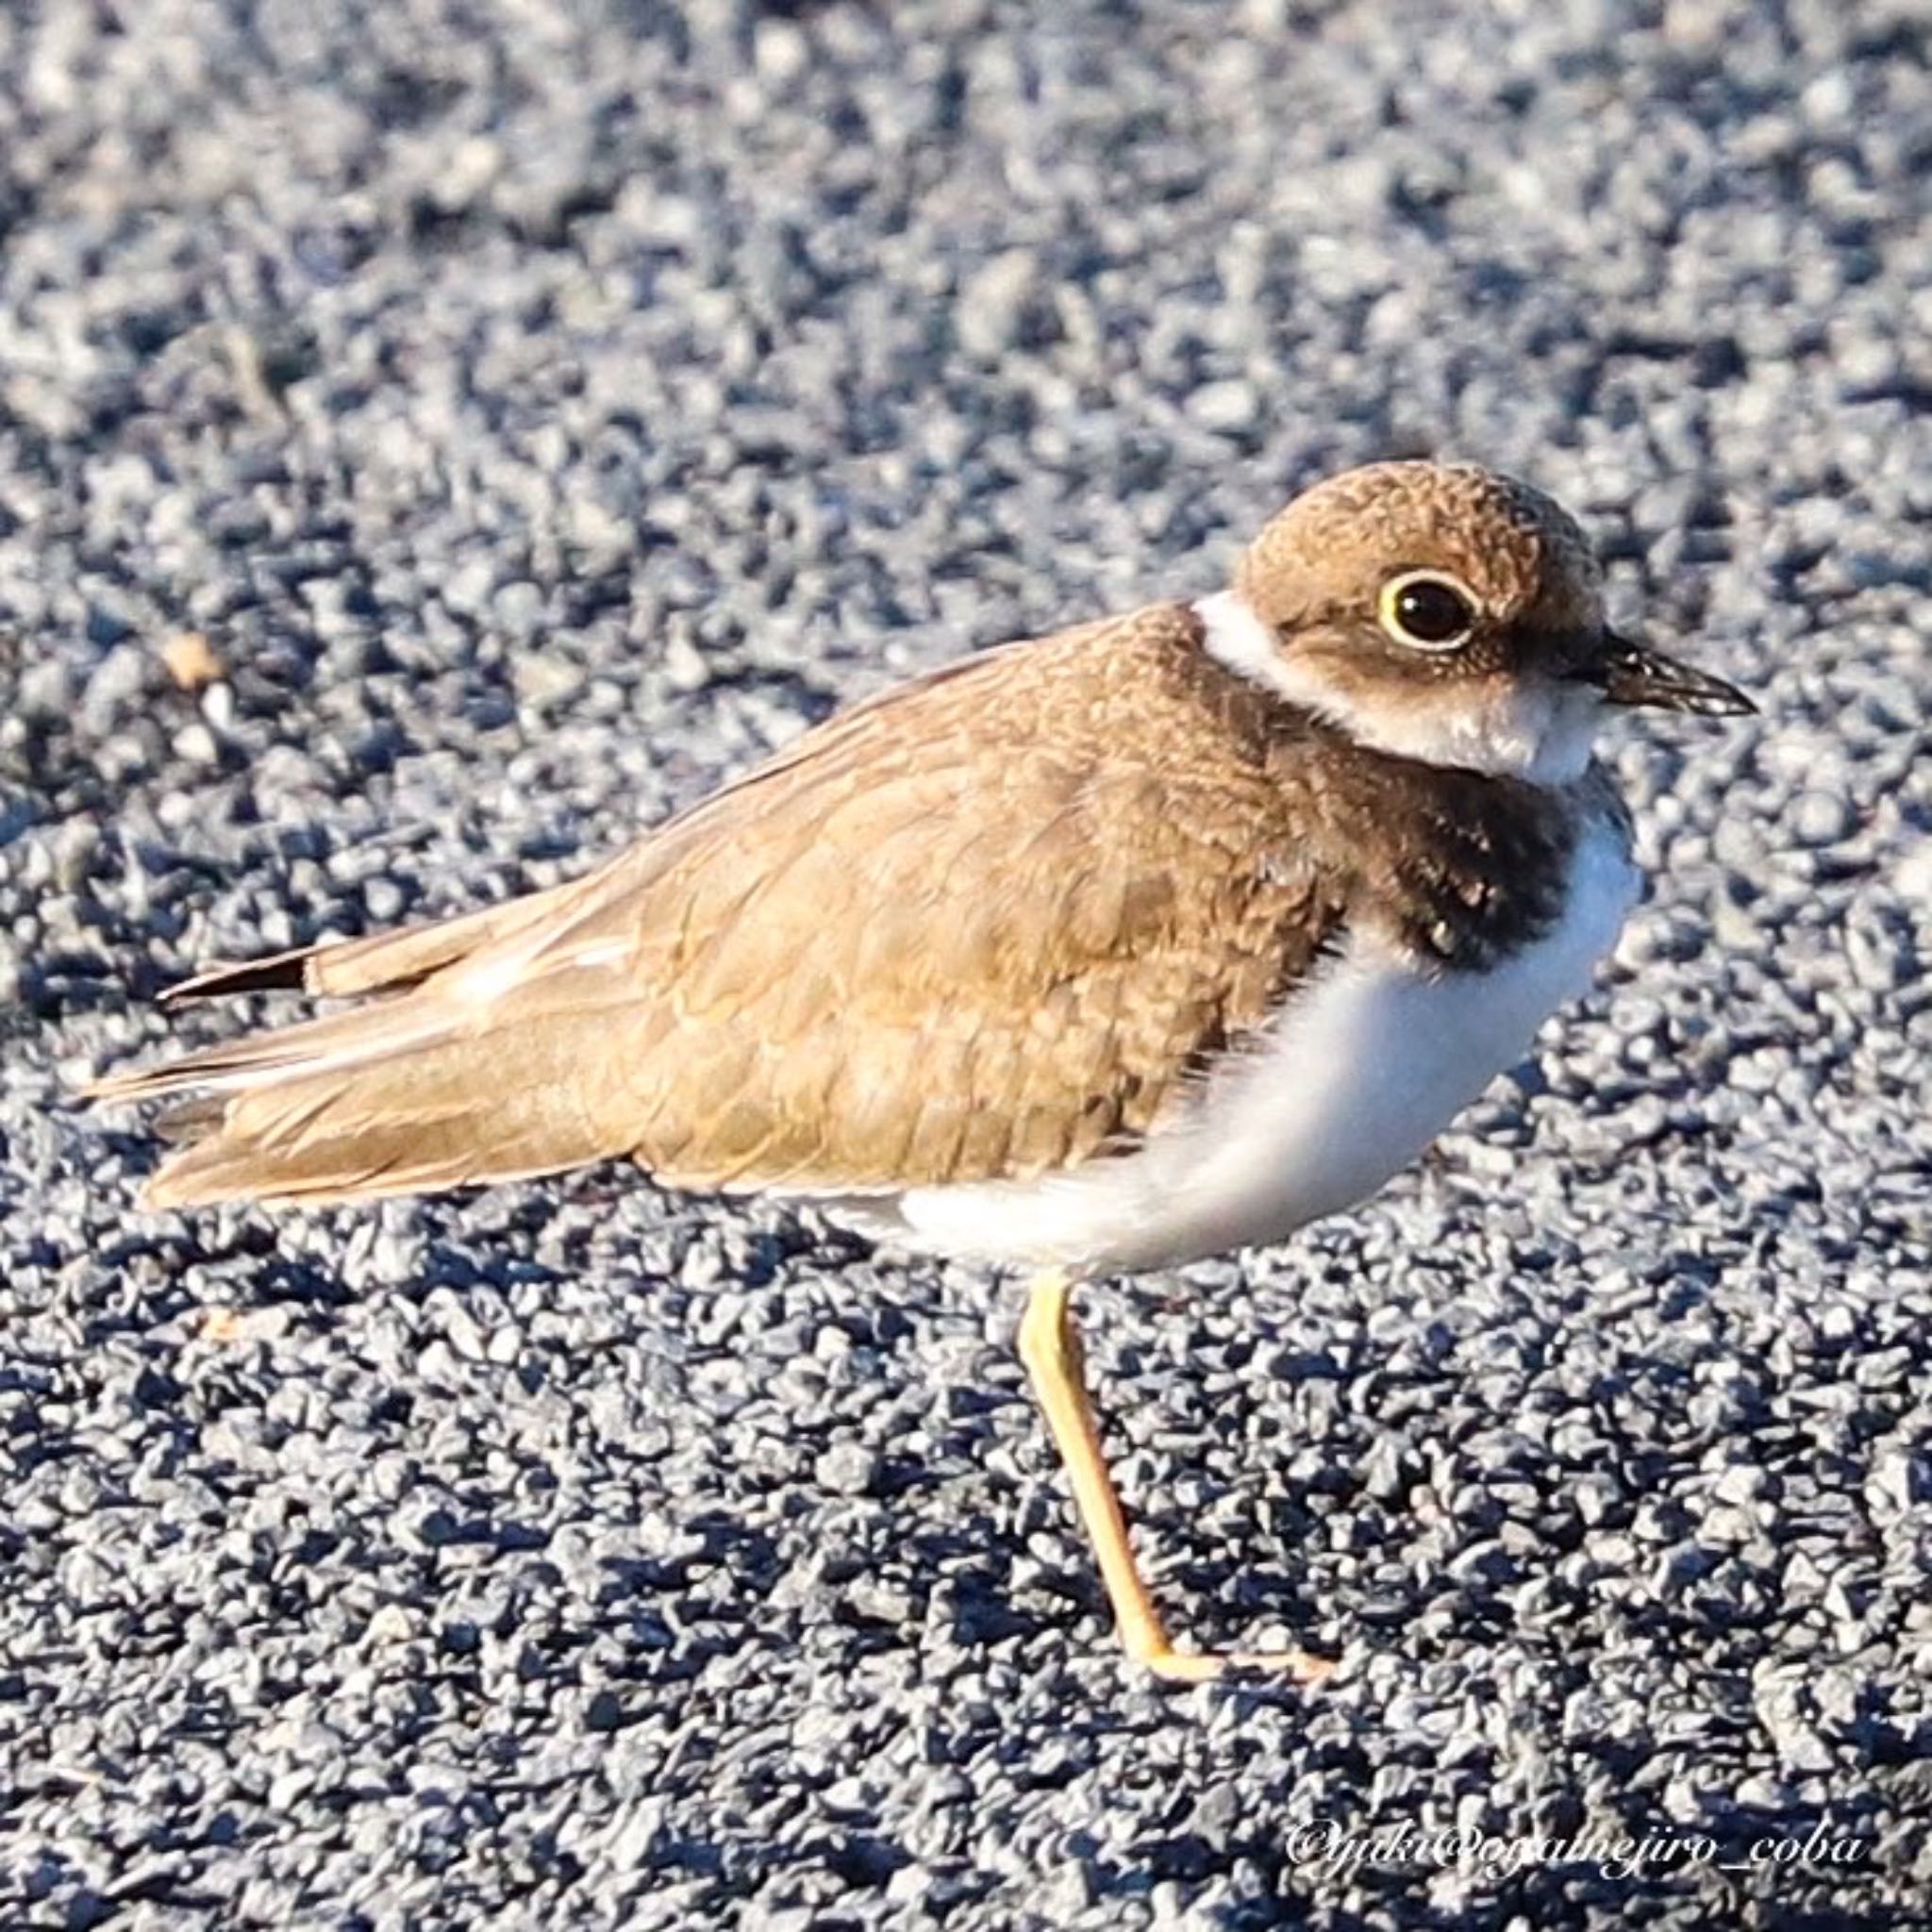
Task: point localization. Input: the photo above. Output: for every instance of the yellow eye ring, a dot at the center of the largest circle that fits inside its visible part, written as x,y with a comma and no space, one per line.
1428,610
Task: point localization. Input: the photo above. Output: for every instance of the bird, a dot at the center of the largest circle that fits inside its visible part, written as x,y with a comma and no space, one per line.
1100,952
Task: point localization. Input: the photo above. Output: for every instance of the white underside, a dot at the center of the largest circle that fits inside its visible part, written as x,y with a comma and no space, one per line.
1360,1071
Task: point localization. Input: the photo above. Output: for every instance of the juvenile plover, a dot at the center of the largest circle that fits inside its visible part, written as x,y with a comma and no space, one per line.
1104,951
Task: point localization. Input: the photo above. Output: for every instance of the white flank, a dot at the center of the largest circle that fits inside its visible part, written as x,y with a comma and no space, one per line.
1540,731
1360,1071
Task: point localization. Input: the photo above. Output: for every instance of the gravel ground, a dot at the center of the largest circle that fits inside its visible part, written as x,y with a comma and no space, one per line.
541,409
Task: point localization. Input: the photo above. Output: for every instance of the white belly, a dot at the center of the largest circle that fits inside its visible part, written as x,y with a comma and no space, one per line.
1360,1071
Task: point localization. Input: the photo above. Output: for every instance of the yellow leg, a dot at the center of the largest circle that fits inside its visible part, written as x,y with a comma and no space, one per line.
1050,1347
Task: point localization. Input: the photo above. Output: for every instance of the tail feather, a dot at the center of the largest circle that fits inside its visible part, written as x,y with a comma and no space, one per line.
278,973
445,1079
190,1119
379,963
451,1111
338,1041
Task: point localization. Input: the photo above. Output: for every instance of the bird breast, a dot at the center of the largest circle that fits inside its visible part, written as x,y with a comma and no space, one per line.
1359,1069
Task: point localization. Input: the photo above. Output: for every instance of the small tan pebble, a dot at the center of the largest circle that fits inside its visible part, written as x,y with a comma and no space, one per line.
221,1324
192,662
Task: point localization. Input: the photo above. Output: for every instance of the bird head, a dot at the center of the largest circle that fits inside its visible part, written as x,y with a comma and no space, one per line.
1444,612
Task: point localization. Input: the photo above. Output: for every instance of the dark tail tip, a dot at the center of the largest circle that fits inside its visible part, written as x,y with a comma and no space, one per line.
284,972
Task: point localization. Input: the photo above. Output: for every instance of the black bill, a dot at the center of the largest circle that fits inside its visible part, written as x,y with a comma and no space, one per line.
1628,674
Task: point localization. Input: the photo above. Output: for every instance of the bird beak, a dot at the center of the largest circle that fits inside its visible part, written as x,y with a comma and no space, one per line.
1628,673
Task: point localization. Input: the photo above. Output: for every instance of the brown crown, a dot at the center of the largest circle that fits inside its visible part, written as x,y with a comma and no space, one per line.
1329,552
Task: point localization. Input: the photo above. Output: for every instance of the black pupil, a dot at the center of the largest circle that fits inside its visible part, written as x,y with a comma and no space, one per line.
1430,611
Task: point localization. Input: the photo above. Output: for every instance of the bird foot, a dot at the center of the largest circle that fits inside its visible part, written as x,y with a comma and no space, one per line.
1197,1667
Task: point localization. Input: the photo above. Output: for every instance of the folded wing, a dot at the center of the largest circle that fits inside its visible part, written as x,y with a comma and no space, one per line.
952,935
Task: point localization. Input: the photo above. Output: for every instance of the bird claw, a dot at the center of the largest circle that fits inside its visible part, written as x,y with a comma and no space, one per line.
1196,1667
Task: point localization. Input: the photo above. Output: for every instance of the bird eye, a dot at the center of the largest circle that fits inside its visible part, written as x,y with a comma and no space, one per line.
1426,610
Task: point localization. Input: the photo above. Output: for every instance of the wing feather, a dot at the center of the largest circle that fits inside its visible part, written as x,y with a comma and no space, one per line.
978,928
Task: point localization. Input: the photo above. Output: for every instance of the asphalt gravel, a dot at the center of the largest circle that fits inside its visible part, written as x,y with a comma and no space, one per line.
538,412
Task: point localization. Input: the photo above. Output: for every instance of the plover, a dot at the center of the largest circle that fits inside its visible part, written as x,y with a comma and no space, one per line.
1104,951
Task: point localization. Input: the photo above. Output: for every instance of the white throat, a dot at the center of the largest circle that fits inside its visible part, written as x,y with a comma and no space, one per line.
1540,732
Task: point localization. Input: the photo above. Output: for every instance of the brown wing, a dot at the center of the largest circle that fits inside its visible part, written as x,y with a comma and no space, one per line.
980,927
